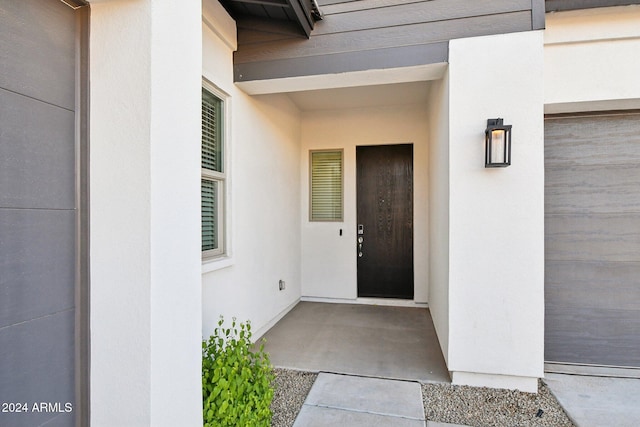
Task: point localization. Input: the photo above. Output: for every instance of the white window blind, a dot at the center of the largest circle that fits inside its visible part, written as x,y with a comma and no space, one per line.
326,185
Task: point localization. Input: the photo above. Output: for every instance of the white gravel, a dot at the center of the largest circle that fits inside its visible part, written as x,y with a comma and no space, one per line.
445,403
290,390
481,406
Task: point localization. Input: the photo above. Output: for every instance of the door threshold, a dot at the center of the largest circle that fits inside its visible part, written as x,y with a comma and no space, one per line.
393,302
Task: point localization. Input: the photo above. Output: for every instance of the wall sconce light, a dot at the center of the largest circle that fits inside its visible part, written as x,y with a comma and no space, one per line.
497,152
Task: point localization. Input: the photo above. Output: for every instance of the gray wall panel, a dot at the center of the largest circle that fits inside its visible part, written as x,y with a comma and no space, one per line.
593,284
592,239
366,17
592,336
38,264
37,154
335,7
589,141
607,188
34,57
386,37
35,367
37,257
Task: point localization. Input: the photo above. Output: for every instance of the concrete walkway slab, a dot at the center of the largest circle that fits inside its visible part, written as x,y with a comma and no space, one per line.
597,401
338,399
314,416
376,341
374,395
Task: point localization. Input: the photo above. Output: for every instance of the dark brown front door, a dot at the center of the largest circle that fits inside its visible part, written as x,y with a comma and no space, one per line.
385,221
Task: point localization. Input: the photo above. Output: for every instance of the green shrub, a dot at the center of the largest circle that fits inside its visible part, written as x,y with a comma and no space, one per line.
236,381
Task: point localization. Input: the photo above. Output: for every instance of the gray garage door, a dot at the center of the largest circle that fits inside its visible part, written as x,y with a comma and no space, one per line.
41,331
592,242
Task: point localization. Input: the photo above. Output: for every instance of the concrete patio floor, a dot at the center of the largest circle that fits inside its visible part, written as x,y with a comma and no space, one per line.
367,340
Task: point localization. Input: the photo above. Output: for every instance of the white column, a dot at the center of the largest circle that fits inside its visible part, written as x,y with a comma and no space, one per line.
145,79
496,216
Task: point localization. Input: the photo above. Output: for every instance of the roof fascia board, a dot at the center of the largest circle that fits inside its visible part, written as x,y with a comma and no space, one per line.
537,14
303,16
344,62
418,73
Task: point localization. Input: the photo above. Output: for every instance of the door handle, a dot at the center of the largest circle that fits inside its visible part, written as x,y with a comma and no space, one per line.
360,241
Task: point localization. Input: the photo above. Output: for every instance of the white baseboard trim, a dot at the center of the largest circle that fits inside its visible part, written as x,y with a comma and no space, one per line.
592,370
368,301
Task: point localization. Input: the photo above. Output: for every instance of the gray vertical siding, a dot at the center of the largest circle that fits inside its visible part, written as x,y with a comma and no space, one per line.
592,240
38,210
350,28
37,154
36,367
36,51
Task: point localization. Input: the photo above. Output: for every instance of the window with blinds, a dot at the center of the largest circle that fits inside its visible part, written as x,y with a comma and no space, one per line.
326,185
211,132
209,214
213,175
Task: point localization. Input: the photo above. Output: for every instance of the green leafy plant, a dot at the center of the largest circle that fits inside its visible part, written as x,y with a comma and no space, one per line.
236,380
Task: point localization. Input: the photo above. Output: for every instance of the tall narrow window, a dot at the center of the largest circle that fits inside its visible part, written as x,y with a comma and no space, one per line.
213,175
326,185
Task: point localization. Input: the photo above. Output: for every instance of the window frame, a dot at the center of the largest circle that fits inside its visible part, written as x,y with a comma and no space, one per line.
221,179
326,150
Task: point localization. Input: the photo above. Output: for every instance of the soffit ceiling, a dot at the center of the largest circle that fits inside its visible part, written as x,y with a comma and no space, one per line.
411,93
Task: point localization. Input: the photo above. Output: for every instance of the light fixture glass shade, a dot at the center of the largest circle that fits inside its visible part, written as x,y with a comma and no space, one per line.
497,144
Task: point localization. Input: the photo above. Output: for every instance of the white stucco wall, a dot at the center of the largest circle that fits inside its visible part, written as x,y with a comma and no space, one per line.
438,119
496,216
263,197
329,262
591,59
144,213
